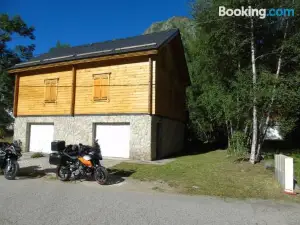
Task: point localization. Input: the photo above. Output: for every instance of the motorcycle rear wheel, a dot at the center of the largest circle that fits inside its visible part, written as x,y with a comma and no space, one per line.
100,175
63,173
11,173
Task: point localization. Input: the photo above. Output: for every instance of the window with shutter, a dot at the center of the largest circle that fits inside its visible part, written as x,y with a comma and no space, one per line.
101,87
51,90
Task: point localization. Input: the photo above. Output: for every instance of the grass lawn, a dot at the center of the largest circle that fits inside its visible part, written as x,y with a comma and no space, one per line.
210,174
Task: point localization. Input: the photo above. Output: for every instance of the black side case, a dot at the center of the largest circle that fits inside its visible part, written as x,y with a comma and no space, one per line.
58,146
55,159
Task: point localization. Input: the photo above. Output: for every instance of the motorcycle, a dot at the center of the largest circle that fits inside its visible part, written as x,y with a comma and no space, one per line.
79,161
9,155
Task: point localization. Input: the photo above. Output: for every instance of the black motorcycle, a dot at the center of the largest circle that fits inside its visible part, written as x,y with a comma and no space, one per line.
9,155
79,161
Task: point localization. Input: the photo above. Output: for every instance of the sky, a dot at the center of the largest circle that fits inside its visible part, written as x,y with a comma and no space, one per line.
86,21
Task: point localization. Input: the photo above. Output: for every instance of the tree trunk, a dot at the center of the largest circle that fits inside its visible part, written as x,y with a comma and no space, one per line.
254,77
202,132
228,134
266,124
246,129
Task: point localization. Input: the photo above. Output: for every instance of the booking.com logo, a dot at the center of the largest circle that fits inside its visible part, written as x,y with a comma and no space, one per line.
261,13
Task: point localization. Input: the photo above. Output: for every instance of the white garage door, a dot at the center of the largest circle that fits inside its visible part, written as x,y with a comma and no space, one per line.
41,137
113,140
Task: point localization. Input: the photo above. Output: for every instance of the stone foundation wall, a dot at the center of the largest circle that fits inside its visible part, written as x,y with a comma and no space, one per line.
79,129
172,137
143,132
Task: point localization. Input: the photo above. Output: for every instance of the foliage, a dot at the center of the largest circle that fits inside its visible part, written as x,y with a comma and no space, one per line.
11,28
58,46
238,145
220,99
187,29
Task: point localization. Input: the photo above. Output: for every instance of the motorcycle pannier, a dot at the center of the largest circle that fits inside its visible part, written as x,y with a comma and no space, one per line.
55,159
58,146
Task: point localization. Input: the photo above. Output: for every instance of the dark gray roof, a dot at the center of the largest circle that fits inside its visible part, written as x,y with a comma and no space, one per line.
113,47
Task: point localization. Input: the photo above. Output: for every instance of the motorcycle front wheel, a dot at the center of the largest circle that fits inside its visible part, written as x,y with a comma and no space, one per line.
11,170
100,175
63,173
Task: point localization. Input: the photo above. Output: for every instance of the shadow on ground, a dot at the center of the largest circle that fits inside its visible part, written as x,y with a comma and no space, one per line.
33,172
116,176
30,172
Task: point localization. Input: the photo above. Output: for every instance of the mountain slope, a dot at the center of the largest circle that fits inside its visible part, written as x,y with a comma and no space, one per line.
184,24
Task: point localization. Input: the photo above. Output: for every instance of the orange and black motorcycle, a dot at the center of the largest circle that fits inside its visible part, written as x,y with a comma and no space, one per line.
78,161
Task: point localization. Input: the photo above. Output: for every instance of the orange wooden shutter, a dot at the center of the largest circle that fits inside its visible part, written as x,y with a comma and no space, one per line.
48,91
104,88
97,89
53,90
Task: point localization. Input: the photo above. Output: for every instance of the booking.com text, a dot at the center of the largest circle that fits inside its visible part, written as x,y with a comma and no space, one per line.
261,13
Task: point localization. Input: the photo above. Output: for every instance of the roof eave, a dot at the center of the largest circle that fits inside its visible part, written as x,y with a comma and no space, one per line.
84,60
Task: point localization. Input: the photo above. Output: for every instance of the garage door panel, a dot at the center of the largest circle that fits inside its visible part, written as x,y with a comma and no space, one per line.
113,140
41,137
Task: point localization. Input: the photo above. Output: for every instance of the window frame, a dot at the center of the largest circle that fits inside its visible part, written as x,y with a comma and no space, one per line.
98,76
45,90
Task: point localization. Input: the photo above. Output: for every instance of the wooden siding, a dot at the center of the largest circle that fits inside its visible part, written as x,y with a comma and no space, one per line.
31,99
170,84
16,94
128,90
153,85
128,87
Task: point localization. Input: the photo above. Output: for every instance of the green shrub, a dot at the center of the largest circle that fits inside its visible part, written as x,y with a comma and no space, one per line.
238,145
37,155
268,156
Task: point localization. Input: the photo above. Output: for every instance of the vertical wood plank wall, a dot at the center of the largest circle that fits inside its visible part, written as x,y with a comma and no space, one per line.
128,90
31,92
170,91
154,85
73,92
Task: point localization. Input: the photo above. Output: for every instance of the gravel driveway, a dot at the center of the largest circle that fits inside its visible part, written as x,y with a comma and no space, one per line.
40,201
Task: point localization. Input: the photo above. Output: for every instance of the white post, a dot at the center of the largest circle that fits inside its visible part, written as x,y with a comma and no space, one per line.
289,175
284,172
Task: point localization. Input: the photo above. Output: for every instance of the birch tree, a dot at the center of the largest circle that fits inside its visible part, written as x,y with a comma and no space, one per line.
244,70
254,77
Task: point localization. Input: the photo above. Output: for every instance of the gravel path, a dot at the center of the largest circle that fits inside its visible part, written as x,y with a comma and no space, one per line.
40,201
